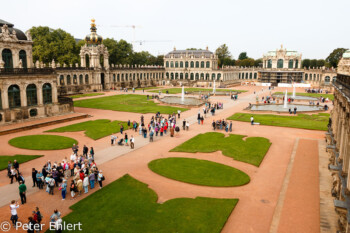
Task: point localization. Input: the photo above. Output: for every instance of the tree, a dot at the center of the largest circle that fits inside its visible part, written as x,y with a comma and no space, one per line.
335,56
119,51
242,56
320,63
49,44
258,62
223,54
305,63
248,62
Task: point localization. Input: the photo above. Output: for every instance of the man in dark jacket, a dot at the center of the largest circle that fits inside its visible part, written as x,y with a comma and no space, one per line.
34,172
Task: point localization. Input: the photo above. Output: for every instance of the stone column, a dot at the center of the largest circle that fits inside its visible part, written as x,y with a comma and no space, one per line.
4,98
82,61
23,95
54,93
40,93
15,58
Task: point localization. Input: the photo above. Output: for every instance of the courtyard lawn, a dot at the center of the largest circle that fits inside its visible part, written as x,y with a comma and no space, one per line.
316,95
129,206
86,95
94,129
200,172
127,103
249,150
43,142
147,88
4,159
303,121
179,90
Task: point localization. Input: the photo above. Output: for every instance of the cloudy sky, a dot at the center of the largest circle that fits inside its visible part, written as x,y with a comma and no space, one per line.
312,27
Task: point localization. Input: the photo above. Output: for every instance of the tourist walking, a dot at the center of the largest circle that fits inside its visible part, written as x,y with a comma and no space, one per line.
72,189
64,189
184,124
22,192
121,129
13,207
100,178
34,172
230,128
252,120
132,142
126,139
86,183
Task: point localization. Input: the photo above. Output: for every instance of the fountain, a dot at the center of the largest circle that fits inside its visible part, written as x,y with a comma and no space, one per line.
293,96
183,94
214,88
285,105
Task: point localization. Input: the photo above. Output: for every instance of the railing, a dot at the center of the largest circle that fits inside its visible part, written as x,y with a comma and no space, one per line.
343,87
25,71
74,68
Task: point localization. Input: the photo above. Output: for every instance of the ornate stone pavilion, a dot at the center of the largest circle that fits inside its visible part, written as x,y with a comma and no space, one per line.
338,139
25,92
196,66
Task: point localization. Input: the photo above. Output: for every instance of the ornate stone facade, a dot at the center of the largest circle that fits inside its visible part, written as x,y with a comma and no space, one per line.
338,139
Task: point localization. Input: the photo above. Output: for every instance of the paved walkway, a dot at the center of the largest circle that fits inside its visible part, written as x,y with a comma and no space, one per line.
257,200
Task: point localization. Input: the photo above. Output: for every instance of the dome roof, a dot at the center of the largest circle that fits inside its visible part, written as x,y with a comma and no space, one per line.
19,34
93,38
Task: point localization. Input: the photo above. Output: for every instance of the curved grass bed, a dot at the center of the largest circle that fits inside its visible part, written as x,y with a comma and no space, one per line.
200,172
20,159
43,142
132,207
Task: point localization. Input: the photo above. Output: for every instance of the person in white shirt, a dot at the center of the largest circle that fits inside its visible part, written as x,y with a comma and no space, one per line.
73,157
252,120
13,207
132,142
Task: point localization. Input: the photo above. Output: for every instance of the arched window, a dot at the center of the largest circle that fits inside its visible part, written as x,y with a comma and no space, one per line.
208,64
197,64
86,79
239,76
87,60
23,57
269,63
181,64
192,76
202,76
47,93
197,75
192,64
255,75
102,62
246,75
296,64
290,64
176,64
334,79
114,80
61,80
7,58
327,79
206,76
306,77
172,75
167,75
213,76
186,75
202,64
314,77
280,63
31,95
167,64
133,77
219,76
250,76
14,96
68,80
171,64
176,75
81,79
181,76
186,64
75,79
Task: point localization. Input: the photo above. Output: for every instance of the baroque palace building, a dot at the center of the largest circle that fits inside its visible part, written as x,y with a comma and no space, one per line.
338,139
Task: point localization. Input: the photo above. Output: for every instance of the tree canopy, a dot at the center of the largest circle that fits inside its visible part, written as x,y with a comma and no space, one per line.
224,55
242,56
335,56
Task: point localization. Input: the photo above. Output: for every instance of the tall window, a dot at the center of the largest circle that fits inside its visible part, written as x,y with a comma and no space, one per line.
192,64
197,64
167,75
269,64
23,57
181,64
280,63
176,64
81,79
31,95
87,60
296,64
206,76
192,76
255,75
176,75
202,64
102,62
68,80
114,78
208,64
7,58
47,93
239,76
186,75
219,76
61,80
197,75
327,79
86,79
167,64
306,77
181,76
213,76
75,80
14,96
290,64
172,75
202,76
250,76
186,64
171,64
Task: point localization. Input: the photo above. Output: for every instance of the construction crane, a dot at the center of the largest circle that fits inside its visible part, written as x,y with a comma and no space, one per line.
141,42
128,26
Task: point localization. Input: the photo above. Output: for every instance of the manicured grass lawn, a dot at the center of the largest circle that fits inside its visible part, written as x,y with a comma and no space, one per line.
200,172
43,142
303,121
127,103
129,206
94,129
316,95
86,95
179,90
250,150
147,88
4,159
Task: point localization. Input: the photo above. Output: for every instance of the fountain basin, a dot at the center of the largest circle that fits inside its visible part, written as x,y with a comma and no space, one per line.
299,97
188,101
280,108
